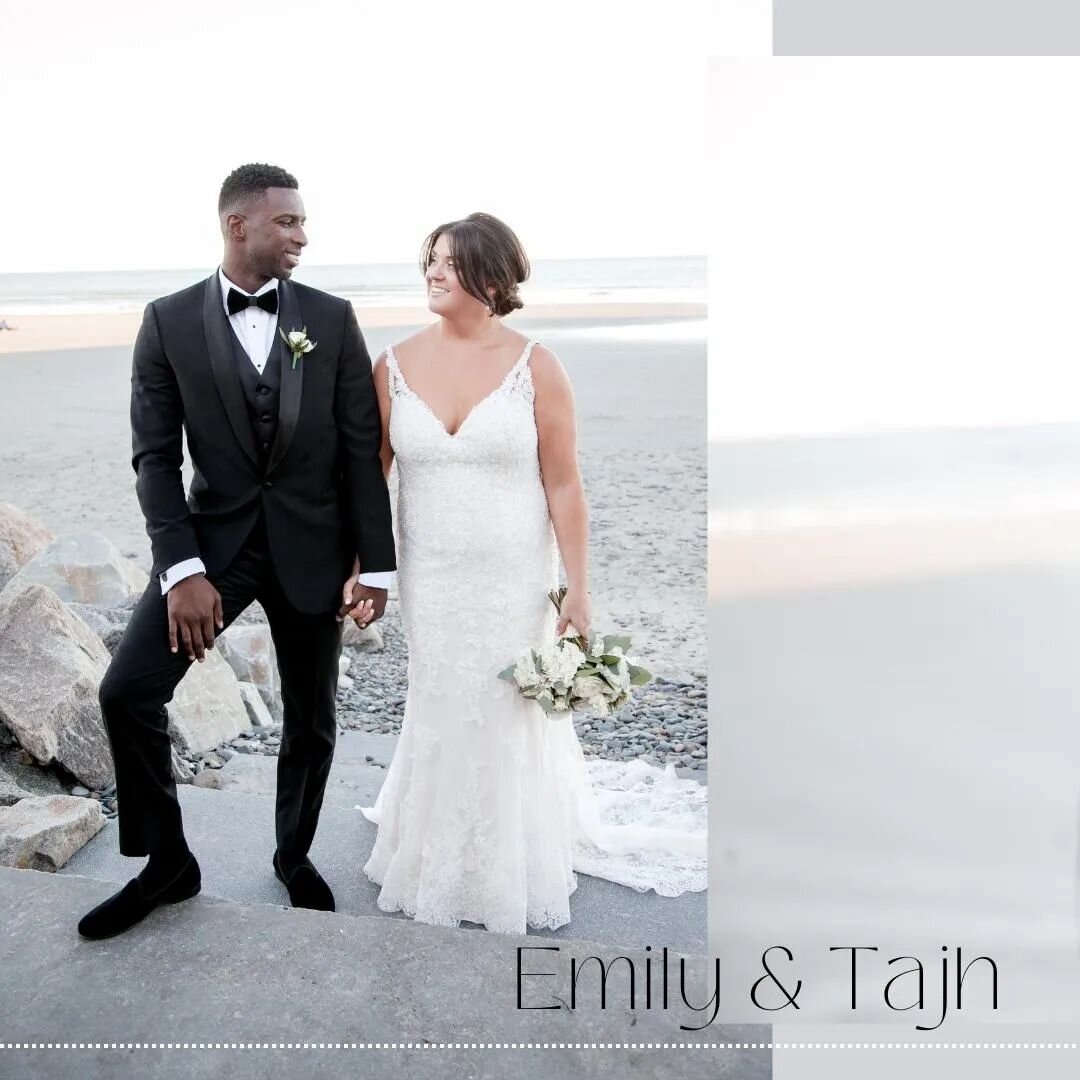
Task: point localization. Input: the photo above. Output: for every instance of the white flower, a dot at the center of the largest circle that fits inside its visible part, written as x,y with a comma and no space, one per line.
298,343
525,673
583,686
560,661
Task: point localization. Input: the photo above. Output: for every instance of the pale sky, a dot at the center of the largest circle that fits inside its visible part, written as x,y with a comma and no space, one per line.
578,125
894,242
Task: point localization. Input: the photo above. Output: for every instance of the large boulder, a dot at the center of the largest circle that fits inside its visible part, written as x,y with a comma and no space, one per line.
249,651
43,833
51,665
207,708
108,623
21,538
84,568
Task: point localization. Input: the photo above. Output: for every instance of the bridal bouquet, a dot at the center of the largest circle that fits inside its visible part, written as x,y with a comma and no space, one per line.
578,674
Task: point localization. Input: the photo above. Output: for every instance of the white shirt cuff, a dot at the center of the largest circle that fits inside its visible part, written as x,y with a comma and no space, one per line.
378,579
180,571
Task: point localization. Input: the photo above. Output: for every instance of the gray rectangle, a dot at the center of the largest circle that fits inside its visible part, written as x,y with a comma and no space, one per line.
926,28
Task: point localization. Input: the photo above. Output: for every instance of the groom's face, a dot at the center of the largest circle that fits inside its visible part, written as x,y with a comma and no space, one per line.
274,233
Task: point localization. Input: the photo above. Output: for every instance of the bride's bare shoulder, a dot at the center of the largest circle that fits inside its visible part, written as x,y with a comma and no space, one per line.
413,345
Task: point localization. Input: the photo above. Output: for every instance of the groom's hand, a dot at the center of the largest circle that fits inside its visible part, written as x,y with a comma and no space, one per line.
361,602
194,612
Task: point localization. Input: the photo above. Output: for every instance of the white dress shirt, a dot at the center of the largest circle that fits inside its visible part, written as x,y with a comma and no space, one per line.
256,330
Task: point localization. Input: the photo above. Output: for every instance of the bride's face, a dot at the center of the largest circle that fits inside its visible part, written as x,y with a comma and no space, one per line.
445,294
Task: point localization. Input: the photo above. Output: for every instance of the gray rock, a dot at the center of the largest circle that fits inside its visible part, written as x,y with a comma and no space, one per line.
108,623
21,538
79,791
51,666
182,772
258,713
85,568
369,639
11,791
207,708
249,651
43,833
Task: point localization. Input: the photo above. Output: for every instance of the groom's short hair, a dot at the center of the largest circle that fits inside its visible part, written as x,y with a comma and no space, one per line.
251,181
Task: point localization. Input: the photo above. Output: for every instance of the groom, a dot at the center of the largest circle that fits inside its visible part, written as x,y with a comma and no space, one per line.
287,498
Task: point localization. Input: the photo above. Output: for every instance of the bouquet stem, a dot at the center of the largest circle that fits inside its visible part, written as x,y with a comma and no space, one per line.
556,596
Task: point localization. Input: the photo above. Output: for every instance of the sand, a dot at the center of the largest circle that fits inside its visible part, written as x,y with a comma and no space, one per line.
35,333
65,458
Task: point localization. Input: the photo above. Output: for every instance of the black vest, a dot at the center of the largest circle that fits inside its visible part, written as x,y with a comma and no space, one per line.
261,394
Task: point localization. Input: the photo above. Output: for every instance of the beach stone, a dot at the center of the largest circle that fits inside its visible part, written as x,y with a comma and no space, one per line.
85,568
51,665
344,683
108,623
182,772
343,665
21,538
207,708
11,791
43,833
258,713
369,638
249,651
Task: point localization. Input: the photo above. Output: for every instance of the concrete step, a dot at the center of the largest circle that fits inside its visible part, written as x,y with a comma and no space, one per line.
231,832
209,971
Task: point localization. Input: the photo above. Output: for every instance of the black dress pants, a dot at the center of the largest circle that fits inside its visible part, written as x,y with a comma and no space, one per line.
144,673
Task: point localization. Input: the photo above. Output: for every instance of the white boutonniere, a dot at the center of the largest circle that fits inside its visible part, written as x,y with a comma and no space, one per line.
298,343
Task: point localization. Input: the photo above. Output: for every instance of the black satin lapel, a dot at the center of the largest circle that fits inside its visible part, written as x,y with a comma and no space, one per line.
292,377
219,346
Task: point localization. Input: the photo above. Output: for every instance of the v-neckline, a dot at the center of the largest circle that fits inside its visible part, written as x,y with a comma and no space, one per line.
468,416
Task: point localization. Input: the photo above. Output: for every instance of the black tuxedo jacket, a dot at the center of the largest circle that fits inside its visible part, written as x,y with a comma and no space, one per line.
322,489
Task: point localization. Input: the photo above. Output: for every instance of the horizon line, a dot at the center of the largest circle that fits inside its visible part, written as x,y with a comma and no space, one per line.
340,265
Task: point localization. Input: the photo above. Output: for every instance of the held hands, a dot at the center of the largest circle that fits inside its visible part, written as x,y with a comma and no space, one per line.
575,611
360,602
194,614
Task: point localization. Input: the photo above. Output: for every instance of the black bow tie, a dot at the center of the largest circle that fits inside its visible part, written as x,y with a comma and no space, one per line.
237,301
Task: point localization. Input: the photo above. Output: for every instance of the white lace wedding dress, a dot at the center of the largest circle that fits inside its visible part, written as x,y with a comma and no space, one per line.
488,807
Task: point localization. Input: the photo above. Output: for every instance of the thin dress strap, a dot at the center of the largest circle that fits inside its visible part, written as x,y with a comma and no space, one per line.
519,376
395,380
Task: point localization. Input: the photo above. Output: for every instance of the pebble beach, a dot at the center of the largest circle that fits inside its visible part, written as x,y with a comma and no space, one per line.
639,385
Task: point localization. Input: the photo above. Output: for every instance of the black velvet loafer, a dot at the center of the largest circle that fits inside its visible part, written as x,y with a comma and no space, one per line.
133,903
306,886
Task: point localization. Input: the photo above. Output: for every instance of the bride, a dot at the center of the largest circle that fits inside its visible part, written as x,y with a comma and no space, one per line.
488,807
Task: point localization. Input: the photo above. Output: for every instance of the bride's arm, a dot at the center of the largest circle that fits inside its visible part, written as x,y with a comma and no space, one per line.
556,428
382,392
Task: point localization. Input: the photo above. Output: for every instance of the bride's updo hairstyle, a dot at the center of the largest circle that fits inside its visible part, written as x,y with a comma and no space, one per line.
489,260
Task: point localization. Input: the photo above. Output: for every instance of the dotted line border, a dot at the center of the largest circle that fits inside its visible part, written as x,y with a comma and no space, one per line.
539,1046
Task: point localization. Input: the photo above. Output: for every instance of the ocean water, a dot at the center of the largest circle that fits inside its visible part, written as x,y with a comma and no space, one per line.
887,477
567,281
